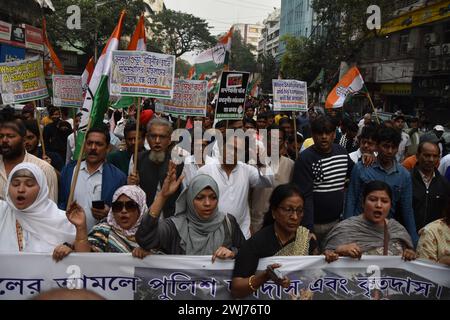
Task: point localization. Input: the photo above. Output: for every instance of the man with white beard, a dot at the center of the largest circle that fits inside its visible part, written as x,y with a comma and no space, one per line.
153,164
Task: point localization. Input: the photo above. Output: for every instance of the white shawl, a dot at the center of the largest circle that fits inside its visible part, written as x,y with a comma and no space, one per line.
45,225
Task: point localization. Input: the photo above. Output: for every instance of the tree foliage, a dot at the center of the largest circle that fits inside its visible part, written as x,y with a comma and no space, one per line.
340,35
269,71
242,58
177,32
100,21
182,68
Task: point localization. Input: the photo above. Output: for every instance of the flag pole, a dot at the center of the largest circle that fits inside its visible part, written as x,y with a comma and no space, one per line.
41,136
136,143
294,116
371,103
77,168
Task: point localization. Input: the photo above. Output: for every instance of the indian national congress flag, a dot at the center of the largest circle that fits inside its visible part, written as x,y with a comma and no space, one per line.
97,105
215,58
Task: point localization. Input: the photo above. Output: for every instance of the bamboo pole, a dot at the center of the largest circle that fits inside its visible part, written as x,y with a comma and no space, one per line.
41,136
136,144
77,168
373,107
295,133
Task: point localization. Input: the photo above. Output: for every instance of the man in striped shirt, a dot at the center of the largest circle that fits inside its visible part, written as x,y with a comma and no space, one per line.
320,172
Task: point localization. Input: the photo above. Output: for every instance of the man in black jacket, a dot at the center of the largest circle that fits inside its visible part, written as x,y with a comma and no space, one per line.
153,164
430,189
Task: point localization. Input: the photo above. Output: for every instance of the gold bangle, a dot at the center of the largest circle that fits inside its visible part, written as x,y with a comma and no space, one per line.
153,215
250,283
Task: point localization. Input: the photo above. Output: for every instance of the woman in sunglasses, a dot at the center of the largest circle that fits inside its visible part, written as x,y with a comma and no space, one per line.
281,235
116,233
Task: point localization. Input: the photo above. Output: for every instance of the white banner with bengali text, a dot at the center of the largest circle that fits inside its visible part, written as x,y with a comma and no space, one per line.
142,74
164,277
67,91
290,95
189,98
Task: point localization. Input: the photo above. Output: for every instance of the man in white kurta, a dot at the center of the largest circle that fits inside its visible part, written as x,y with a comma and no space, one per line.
235,187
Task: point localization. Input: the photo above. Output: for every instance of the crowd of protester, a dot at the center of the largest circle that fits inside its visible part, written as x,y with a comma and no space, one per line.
340,188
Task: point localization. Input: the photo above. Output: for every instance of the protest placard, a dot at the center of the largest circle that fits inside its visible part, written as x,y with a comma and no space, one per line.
231,101
67,91
142,74
22,81
189,99
290,95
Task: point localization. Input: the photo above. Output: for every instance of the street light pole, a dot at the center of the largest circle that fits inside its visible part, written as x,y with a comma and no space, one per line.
96,29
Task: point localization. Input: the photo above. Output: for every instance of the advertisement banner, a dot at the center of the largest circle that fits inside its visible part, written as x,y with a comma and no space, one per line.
5,30
189,98
164,277
9,53
290,95
33,38
22,81
232,93
67,91
142,74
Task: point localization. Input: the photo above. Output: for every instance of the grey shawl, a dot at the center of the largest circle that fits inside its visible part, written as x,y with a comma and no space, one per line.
365,234
198,236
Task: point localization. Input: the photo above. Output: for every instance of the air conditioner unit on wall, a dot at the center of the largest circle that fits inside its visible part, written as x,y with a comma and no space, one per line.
433,65
435,51
446,49
430,38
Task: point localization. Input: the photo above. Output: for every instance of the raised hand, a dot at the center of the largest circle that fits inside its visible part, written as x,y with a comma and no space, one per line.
75,214
171,183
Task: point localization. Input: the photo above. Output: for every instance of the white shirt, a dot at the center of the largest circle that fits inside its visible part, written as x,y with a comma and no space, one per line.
88,189
444,164
406,142
355,155
234,190
190,169
70,147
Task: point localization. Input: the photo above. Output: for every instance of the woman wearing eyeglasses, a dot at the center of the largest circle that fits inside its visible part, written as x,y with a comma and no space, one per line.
116,233
281,235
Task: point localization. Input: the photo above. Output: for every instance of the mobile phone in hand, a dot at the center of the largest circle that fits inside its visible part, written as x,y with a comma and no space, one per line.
99,204
275,274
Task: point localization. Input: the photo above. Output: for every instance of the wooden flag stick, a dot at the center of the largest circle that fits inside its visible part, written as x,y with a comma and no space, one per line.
294,116
373,107
77,168
41,136
136,143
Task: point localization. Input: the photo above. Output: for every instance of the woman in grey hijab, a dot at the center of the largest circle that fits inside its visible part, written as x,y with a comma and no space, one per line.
197,228
370,233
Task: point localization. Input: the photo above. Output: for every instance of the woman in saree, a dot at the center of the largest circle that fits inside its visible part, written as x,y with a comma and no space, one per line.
370,233
281,235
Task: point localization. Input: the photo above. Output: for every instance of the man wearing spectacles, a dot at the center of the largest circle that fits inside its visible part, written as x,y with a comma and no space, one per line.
153,164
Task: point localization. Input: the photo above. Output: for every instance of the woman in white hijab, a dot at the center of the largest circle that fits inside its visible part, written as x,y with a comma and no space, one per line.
29,220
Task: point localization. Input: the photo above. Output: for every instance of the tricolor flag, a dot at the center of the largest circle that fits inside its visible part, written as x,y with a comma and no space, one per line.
253,84
137,43
214,59
352,82
87,75
52,65
97,106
